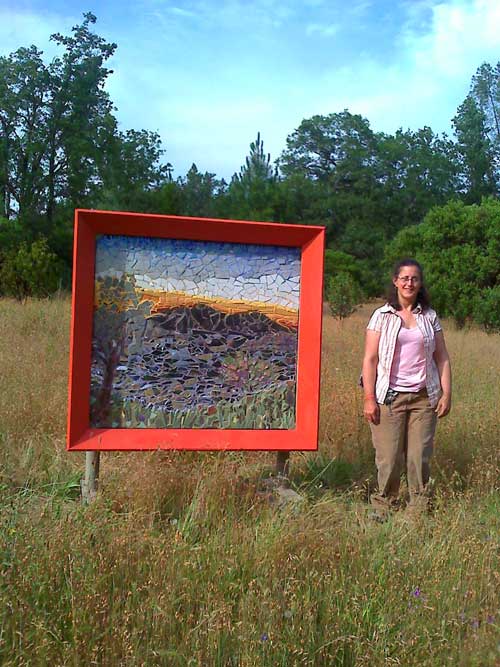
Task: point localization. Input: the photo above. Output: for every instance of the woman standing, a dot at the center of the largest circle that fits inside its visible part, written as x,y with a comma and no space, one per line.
407,385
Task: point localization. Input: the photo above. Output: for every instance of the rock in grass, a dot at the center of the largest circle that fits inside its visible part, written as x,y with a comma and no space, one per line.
288,497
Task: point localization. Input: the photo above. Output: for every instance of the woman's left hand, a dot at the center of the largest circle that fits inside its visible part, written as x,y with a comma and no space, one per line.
443,406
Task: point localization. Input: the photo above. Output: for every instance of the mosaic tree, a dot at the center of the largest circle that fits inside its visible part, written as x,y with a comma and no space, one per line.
119,323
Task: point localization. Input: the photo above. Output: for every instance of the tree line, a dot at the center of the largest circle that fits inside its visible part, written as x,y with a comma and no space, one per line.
377,193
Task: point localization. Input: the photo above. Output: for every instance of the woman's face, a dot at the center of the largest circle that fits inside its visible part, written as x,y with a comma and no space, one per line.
408,282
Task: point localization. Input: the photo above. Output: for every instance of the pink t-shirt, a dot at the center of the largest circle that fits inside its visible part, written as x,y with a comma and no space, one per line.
408,364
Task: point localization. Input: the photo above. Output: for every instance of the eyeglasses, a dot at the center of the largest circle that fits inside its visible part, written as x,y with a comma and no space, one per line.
409,279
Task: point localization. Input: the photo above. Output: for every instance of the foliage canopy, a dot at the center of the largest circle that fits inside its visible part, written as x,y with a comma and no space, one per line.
459,248
61,147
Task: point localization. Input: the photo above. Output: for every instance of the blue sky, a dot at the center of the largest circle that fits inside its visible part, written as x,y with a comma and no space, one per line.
209,74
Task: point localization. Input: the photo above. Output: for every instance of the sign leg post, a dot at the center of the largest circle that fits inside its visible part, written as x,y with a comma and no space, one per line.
91,480
283,465
285,496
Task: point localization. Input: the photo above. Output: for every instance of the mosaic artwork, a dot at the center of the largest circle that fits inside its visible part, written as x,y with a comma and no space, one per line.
194,334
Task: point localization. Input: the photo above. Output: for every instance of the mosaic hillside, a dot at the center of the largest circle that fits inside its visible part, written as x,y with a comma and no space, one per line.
192,334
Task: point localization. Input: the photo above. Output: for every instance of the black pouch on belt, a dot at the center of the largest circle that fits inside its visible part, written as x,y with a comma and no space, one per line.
390,397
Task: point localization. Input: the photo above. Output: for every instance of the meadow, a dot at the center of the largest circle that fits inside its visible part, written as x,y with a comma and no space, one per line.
183,560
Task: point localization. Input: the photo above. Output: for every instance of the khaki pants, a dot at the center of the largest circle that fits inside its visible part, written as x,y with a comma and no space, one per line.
405,434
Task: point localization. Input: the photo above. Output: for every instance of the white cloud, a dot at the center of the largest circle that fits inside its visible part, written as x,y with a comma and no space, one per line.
462,35
322,30
24,28
184,13
436,56
360,8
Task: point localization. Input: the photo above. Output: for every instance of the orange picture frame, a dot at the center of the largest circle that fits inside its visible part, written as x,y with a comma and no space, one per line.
89,224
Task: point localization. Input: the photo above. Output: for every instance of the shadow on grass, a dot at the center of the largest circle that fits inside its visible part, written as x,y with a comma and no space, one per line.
319,473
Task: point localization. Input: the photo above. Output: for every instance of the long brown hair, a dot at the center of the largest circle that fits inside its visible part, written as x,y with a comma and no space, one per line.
422,295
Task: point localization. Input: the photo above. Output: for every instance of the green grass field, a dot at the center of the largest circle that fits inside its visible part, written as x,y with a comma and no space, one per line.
181,561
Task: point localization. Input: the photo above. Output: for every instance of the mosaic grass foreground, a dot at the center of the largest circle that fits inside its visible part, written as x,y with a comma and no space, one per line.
194,334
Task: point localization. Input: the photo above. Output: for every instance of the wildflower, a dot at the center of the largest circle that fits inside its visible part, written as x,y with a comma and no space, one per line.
490,619
417,592
475,624
264,637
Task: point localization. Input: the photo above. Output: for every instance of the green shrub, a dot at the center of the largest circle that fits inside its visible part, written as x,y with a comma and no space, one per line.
487,308
459,248
366,273
30,270
337,261
343,295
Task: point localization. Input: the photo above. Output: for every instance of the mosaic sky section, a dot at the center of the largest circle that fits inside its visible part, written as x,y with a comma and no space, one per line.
201,268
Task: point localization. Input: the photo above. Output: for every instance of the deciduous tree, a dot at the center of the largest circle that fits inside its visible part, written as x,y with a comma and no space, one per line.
475,150
50,120
459,248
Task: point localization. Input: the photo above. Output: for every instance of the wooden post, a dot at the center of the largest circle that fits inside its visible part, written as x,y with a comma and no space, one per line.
283,466
91,481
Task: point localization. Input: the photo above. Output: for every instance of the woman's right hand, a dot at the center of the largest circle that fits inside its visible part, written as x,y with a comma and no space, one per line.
371,411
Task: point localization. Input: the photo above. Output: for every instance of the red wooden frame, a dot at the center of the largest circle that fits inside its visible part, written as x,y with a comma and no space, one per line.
88,224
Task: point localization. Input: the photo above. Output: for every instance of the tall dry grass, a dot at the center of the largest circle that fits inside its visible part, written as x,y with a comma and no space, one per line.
181,561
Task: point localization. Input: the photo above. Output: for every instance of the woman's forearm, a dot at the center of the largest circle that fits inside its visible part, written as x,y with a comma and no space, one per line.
444,368
369,376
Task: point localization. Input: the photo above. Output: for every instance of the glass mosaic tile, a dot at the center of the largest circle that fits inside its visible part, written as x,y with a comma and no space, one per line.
194,334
